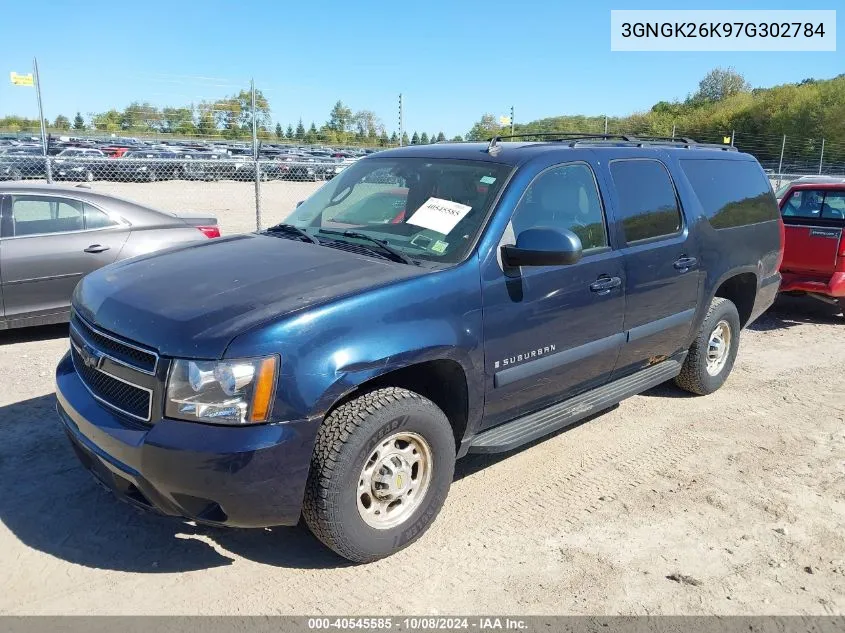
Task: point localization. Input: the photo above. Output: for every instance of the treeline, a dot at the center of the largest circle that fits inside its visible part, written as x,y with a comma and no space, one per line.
228,118
806,113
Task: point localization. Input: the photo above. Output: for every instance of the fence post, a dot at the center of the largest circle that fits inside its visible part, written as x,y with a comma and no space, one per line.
48,168
780,165
255,162
821,158
673,130
733,136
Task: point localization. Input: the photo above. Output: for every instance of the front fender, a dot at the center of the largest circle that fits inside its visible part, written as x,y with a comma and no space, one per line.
329,350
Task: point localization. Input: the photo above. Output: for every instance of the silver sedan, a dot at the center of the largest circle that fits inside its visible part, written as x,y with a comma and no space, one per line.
52,236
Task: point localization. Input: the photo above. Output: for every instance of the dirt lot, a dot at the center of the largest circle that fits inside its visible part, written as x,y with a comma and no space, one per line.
741,494
734,503
232,202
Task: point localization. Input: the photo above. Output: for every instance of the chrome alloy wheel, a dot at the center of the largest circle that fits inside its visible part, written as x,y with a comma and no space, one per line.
394,480
718,348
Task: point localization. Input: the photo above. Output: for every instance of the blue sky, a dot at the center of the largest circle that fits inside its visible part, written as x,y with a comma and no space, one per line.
452,59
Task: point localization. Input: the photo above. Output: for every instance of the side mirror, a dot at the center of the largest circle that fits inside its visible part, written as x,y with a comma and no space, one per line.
299,203
542,246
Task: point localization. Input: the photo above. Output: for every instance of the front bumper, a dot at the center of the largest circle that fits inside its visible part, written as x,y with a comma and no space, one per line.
231,476
834,286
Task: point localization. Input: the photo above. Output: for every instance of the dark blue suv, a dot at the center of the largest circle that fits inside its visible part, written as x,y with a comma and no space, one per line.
335,366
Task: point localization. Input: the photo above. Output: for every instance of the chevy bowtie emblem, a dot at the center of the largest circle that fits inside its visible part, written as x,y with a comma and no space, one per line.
90,357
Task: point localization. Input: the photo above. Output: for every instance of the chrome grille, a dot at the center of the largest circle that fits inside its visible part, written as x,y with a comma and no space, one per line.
131,400
119,351
118,374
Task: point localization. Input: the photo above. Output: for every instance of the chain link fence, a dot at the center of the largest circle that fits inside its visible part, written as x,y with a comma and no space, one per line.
243,192
246,192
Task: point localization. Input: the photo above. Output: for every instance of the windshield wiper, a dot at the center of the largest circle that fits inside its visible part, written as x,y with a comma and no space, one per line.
381,243
290,228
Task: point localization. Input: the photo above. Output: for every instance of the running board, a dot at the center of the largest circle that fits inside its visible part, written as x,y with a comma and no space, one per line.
510,435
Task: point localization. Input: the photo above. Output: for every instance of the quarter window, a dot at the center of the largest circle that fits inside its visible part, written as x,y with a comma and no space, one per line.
96,219
564,197
647,204
33,215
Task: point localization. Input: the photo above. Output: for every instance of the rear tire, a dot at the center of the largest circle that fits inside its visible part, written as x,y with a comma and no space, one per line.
372,454
711,356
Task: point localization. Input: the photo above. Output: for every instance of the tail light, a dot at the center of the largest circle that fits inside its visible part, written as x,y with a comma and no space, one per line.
782,230
209,231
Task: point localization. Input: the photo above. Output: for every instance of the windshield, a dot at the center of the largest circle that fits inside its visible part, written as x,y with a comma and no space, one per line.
429,209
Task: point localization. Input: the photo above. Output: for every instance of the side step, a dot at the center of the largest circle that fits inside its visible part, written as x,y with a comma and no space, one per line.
512,434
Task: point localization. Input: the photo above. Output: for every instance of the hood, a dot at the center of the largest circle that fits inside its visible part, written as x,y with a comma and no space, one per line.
191,301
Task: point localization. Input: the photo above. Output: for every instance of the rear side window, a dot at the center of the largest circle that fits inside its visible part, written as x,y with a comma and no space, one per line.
731,192
647,203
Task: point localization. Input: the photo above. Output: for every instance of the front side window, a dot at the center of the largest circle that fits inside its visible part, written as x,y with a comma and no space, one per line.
564,198
647,203
35,215
428,209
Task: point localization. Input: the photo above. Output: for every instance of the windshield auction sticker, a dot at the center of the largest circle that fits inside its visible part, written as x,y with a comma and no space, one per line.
439,215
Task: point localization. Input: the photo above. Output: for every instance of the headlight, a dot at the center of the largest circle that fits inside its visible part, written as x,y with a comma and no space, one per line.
222,392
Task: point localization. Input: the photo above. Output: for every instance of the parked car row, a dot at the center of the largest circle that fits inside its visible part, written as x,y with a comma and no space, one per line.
151,162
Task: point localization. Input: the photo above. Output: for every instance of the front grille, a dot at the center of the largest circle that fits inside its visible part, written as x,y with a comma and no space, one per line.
124,353
132,400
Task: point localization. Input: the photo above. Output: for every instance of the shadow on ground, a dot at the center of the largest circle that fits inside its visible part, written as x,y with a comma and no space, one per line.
33,334
788,312
52,504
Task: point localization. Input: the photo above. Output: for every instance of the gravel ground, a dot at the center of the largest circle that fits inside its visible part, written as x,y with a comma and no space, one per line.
232,202
666,504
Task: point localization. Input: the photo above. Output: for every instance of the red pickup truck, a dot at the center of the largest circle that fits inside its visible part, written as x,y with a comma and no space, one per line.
814,251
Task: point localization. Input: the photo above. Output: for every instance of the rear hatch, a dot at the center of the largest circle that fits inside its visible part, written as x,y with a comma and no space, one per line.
814,219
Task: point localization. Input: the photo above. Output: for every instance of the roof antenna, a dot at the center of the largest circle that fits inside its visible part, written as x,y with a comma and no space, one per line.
493,147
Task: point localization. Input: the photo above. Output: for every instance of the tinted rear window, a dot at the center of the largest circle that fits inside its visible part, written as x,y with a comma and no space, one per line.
731,192
647,201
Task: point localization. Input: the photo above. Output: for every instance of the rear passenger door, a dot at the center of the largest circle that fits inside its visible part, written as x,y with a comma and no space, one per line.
661,262
48,244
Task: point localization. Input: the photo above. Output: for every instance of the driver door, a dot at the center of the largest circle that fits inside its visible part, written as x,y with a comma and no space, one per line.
551,332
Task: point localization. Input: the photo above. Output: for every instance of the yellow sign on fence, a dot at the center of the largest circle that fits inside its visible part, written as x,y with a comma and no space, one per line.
726,139
504,120
21,80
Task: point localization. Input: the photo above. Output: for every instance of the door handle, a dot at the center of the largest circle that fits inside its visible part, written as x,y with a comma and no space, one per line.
685,263
603,285
96,248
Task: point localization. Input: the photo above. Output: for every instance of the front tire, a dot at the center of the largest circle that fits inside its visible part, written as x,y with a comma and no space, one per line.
711,356
381,469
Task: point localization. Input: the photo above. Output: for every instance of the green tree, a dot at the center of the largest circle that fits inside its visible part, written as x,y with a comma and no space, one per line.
394,138
415,139
311,134
457,138
207,120
383,140
719,84
405,140
109,121
484,129
61,123
423,140
178,121
340,118
289,132
78,122
441,137
280,133
300,131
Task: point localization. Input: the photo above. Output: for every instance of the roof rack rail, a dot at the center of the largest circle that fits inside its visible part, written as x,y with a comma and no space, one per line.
574,138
